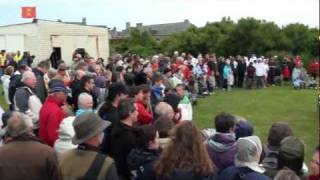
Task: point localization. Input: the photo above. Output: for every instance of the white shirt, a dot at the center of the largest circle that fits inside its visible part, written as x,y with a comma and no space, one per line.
260,69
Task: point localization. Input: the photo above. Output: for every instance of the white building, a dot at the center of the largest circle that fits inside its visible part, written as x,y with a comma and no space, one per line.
40,37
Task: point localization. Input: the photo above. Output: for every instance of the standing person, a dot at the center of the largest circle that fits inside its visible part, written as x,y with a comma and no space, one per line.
15,82
227,76
251,71
246,161
141,160
222,146
2,61
221,64
108,111
156,90
25,99
124,137
260,72
85,104
24,156
39,72
315,165
5,79
184,104
87,85
291,155
51,113
241,70
185,157
85,161
277,133
144,115
66,133
54,58
314,68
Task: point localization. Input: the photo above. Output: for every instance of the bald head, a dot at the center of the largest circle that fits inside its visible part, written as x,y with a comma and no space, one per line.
164,109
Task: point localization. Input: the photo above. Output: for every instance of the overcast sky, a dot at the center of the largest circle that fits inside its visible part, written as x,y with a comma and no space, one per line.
117,12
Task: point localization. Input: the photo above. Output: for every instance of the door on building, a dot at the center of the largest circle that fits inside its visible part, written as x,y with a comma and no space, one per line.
55,57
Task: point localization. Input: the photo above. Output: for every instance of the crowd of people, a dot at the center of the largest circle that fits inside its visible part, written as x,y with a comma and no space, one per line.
132,119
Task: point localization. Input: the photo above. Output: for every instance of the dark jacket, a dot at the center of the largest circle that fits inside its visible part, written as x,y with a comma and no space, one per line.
241,173
75,88
74,164
123,141
179,174
251,71
40,90
140,78
109,113
241,69
270,160
15,82
141,163
222,149
26,157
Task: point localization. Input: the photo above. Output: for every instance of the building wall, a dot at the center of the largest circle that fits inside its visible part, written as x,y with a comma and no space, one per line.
25,36
70,37
41,37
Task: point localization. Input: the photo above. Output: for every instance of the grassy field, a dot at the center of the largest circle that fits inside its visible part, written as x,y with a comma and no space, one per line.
264,107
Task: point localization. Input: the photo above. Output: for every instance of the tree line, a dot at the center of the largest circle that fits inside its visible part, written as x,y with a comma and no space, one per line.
229,38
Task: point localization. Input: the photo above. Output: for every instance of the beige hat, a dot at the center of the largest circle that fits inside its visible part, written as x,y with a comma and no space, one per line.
87,125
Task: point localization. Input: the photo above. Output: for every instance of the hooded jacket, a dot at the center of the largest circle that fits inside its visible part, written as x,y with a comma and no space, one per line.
222,149
140,163
66,133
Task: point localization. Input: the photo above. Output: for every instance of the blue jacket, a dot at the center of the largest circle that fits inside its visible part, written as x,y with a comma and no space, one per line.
240,173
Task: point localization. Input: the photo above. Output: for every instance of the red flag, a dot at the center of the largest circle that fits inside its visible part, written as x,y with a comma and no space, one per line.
28,12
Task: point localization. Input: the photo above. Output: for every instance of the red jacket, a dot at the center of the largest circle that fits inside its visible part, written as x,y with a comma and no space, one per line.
144,116
286,72
51,116
314,67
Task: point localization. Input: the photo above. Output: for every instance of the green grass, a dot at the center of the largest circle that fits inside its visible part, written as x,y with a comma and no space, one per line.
264,107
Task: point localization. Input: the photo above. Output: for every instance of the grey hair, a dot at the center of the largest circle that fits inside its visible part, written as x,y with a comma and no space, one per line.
18,124
163,108
286,174
26,75
83,97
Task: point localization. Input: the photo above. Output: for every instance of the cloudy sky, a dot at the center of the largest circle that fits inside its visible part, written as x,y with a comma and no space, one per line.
116,12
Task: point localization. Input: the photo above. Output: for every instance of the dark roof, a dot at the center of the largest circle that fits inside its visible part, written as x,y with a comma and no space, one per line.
74,23
169,28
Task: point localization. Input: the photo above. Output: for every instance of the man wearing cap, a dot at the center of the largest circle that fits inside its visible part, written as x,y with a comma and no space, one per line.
24,156
85,162
25,99
51,113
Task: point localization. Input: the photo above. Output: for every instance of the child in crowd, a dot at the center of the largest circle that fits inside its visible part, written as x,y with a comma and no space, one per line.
184,104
